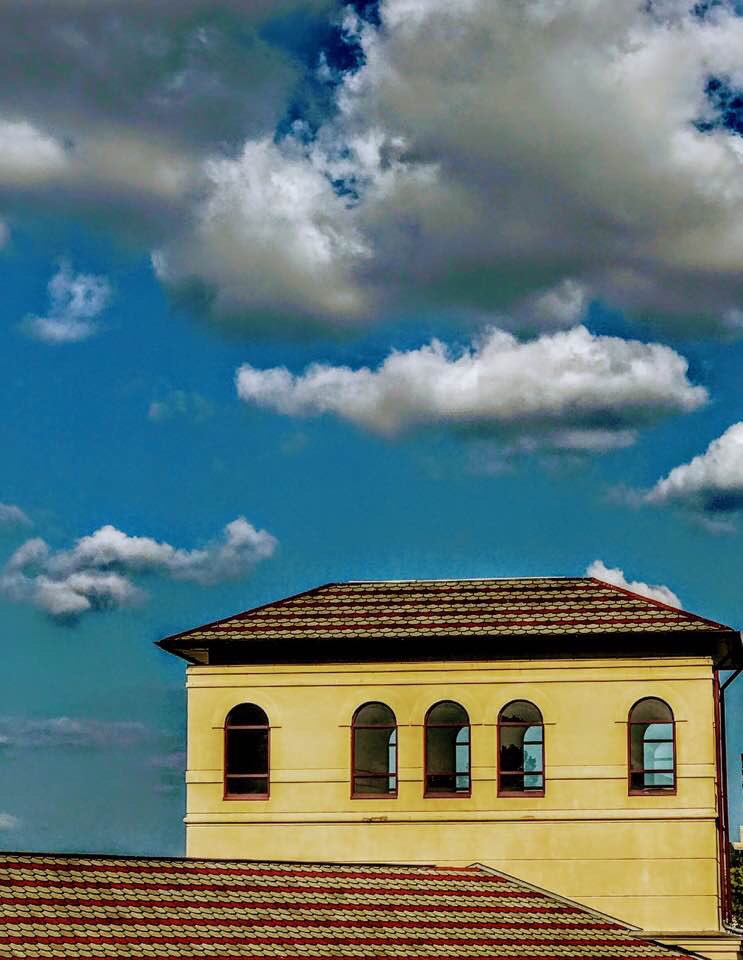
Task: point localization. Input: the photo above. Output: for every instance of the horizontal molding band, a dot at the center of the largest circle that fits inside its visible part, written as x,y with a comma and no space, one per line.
445,816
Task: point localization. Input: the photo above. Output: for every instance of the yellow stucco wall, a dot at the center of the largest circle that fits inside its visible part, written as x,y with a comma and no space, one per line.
650,860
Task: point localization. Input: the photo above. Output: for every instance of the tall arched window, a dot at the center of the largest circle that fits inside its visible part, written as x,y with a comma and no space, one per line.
374,752
652,747
447,750
520,749
246,753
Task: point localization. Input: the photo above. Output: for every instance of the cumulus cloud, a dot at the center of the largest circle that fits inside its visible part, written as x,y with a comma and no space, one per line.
125,101
711,482
271,237
12,516
59,732
97,572
486,146
570,389
75,303
615,575
180,403
482,152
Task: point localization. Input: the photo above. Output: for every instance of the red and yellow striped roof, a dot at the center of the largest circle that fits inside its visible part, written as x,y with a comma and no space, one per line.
107,907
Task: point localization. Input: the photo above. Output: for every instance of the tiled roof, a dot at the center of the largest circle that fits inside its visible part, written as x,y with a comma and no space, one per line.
544,606
61,907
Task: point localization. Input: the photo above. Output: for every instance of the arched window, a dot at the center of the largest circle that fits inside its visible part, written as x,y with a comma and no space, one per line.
246,753
520,749
652,747
374,752
447,750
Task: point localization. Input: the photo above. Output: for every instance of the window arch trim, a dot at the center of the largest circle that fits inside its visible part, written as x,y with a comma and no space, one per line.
467,741
504,775
263,777
652,791
392,771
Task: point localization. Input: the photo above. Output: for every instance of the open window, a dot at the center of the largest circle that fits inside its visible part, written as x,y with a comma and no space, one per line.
651,733
374,752
246,753
447,751
520,750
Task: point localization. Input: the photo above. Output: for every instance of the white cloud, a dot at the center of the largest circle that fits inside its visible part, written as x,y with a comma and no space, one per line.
8,821
486,151
75,303
272,236
124,102
563,305
27,155
96,573
505,142
12,516
616,576
577,390
711,482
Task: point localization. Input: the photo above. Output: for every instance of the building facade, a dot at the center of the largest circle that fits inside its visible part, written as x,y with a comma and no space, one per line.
562,731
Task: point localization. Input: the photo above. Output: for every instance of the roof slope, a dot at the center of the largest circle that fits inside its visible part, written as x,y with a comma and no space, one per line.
62,907
465,609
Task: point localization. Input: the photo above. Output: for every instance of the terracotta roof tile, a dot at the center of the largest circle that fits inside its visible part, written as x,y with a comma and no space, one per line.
406,610
71,907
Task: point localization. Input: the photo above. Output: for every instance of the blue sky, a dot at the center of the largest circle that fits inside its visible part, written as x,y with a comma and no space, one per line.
268,193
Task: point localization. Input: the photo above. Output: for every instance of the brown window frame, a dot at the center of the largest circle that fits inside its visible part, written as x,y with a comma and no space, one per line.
358,794
503,792
427,725
651,791
226,795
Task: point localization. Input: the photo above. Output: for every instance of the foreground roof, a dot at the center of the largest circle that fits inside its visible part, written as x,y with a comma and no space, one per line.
321,623
60,907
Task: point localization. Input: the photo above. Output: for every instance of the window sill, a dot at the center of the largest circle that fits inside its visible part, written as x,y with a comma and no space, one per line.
505,794
246,796
374,796
670,792
448,796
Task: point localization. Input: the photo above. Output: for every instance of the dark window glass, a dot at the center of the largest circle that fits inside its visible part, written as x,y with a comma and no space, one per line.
652,762
520,748
447,748
246,752
374,751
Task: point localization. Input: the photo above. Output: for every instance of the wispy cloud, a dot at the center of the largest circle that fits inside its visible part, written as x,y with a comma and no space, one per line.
568,390
180,403
13,516
8,821
75,303
616,576
98,572
59,732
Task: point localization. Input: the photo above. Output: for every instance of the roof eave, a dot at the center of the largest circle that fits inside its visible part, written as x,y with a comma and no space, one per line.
723,646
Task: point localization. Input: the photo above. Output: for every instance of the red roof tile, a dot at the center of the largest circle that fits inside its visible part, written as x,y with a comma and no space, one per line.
63,907
464,609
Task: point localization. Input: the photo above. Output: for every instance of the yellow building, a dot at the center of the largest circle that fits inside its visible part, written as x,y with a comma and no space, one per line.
564,731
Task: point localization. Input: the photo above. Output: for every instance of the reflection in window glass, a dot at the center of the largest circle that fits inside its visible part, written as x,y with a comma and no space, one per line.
651,746
520,748
447,749
246,747
374,751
